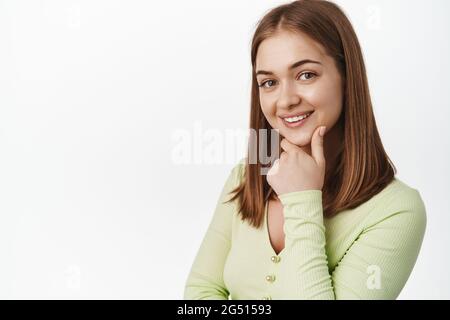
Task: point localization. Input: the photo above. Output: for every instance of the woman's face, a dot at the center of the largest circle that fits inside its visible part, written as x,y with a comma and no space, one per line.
312,85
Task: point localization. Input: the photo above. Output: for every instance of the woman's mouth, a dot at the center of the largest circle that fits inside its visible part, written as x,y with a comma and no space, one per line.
296,121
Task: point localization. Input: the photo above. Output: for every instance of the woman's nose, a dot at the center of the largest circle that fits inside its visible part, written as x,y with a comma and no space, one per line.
288,96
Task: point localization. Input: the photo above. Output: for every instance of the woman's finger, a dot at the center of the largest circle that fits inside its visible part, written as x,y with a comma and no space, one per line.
317,145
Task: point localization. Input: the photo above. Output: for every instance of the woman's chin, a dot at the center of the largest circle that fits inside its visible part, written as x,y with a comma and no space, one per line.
300,140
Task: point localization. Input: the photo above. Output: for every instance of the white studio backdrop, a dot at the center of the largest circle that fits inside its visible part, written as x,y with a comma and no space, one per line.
93,94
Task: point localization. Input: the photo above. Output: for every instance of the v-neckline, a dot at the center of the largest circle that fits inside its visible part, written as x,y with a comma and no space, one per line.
267,233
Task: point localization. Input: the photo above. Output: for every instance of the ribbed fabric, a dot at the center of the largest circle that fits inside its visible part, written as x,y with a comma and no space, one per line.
363,253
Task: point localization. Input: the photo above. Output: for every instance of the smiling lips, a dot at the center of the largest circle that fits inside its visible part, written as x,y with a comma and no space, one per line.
296,120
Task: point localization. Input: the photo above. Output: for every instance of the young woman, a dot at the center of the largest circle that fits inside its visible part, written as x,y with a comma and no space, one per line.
329,220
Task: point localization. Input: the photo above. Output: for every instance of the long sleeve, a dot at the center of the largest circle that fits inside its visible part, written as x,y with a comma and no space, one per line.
377,264
205,280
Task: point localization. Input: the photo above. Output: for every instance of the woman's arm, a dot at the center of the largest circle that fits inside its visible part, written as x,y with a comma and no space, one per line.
205,280
376,266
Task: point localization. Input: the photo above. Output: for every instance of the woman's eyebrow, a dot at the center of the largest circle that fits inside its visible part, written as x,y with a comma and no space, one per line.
295,65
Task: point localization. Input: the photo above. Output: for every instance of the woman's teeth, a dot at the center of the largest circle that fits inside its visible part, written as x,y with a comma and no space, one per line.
295,119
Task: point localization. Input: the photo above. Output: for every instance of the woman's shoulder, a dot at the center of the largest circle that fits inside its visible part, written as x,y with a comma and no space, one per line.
397,198
235,177
242,162
398,193
239,169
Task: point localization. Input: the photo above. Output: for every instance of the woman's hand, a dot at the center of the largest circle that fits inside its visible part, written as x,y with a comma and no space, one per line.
296,170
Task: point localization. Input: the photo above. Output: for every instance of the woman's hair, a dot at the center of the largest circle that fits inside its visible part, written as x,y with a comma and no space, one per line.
363,168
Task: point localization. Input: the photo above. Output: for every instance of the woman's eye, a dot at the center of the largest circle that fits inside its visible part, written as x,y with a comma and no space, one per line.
304,76
307,76
265,82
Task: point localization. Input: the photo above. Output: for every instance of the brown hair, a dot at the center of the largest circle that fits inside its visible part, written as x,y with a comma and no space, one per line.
363,168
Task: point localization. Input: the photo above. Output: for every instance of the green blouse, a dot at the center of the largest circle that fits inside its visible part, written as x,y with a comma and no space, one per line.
363,253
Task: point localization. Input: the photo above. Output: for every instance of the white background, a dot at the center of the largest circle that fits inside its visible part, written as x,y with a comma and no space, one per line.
92,204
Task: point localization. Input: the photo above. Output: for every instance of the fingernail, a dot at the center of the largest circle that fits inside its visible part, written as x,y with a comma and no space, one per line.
322,131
